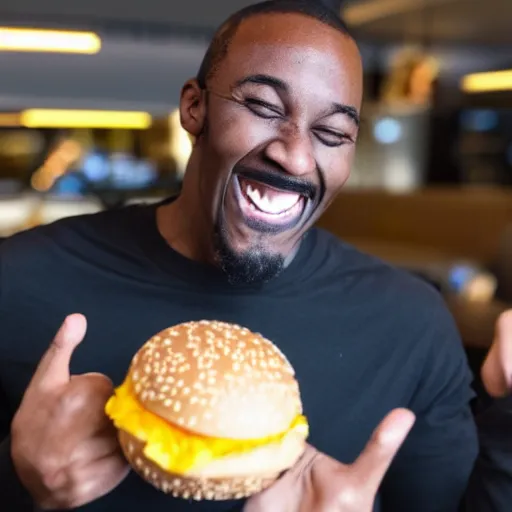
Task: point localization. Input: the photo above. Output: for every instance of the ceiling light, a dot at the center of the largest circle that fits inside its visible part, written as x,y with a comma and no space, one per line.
487,82
42,40
47,118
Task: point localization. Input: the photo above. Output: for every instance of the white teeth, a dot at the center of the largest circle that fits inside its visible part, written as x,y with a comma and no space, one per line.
271,202
254,194
265,203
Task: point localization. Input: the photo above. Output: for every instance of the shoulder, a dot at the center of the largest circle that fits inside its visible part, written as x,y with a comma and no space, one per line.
31,244
399,302
51,270
382,283
32,247
44,255
403,322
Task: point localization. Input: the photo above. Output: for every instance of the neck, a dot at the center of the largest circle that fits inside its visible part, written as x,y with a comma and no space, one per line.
183,226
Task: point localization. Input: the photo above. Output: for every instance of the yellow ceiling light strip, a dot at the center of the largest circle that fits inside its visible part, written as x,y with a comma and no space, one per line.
42,40
492,81
49,118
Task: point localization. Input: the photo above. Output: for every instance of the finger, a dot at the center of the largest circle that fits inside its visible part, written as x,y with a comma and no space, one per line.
97,479
81,414
53,369
497,368
371,466
95,449
67,437
284,490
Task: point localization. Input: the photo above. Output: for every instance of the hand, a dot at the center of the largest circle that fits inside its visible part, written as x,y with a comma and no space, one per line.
63,447
321,484
497,368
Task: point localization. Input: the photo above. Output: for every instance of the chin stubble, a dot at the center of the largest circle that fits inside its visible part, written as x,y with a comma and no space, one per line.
253,266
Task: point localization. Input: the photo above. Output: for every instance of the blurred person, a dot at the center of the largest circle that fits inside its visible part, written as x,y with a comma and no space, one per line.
274,115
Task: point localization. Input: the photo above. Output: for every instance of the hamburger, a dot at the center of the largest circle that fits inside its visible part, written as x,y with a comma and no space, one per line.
209,410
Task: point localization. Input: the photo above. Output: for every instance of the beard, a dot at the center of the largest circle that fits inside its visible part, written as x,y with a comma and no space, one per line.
252,266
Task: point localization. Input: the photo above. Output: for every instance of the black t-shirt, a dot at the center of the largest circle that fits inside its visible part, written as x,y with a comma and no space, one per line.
364,338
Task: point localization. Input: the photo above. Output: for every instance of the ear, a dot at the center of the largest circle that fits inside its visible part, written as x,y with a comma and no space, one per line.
192,108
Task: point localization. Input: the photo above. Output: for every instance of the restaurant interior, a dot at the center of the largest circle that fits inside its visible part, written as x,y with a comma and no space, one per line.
88,121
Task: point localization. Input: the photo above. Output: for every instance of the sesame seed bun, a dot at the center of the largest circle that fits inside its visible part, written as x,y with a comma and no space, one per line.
218,380
207,385
232,477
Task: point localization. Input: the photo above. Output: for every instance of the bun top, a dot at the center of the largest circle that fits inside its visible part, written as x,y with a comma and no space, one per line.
218,380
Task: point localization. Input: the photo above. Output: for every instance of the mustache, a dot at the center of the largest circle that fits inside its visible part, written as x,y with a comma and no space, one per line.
278,180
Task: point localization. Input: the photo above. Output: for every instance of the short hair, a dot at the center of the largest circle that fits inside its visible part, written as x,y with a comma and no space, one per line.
218,48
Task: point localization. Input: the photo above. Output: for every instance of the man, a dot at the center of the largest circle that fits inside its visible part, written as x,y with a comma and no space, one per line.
274,113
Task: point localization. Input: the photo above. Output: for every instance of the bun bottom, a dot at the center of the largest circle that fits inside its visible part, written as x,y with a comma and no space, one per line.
232,477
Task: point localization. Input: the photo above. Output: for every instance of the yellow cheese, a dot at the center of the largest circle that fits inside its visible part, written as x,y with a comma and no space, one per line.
174,449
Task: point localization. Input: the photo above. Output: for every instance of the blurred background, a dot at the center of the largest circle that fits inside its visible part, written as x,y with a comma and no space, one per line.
88,92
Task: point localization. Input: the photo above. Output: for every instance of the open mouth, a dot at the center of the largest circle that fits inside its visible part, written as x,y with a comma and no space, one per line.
268,208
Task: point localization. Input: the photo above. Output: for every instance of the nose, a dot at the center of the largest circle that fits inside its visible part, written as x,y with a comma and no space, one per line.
292,151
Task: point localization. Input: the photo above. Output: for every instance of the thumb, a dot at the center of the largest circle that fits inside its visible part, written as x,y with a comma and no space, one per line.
374,461
53,369
497,368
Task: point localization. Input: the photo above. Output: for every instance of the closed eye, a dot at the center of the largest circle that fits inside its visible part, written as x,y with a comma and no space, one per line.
332,138
263,109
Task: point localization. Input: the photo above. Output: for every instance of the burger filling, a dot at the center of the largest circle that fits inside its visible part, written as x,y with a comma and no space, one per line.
174,449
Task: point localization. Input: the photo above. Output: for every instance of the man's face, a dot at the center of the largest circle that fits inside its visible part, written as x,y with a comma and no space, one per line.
280,129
